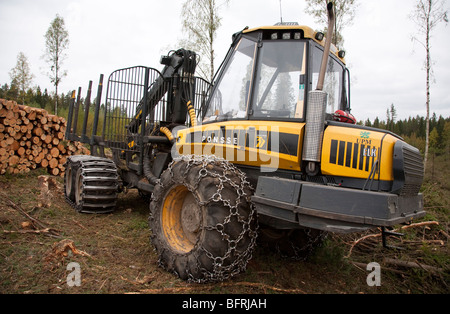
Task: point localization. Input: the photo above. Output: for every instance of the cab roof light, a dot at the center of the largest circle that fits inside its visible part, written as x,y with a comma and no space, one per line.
319,36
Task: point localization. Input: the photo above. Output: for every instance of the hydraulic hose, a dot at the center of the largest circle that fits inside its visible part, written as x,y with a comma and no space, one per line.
191,111
152,179
167,133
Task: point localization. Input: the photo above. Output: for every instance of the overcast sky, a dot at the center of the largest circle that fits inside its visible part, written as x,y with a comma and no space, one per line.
105,35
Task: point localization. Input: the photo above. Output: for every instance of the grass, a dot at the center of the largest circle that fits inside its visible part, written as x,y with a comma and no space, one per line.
122,258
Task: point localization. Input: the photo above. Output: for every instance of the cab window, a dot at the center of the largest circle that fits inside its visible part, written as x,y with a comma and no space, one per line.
279,83
231,94
333,79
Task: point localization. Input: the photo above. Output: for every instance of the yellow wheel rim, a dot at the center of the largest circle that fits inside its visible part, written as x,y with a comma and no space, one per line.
181,219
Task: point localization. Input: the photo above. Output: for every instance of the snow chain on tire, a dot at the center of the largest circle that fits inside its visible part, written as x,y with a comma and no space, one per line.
91,184
213,235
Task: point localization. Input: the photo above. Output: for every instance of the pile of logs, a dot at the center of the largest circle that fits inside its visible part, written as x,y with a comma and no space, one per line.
31,138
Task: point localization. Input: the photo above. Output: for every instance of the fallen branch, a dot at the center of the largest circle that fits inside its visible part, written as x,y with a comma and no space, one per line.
419,242
145,280
263,286
375,235
419,224
21,211
364,268
51,232
78,224
359,240
257,285
428,207
46,230
444,233
416,265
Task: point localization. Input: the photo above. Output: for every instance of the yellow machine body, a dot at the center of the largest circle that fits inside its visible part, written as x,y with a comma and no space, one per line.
346,151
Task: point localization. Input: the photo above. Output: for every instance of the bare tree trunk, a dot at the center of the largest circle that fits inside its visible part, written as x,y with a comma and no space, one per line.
56,101
427,14
211,43
212,63
428,66
56,80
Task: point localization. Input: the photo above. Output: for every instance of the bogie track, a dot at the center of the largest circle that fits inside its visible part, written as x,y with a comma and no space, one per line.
91,184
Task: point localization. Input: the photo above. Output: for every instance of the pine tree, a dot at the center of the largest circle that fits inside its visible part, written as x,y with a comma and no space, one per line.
21,75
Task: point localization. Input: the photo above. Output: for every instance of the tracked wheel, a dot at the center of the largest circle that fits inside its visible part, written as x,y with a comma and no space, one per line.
203,224
69,190
91,184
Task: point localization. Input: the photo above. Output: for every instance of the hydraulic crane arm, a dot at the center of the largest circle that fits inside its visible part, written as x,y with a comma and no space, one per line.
178,67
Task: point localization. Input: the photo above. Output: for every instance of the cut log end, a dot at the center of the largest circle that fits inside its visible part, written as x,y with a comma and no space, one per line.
31,138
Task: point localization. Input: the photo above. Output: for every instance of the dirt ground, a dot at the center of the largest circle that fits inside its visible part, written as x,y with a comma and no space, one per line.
41,235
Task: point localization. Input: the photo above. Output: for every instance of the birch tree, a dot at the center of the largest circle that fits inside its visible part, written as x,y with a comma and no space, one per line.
201,20
427,14
345,11
56,44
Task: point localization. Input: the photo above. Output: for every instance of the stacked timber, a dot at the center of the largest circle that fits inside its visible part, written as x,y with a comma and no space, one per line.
31,138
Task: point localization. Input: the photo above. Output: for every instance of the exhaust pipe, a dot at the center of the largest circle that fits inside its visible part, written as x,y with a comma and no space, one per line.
316,111
326,52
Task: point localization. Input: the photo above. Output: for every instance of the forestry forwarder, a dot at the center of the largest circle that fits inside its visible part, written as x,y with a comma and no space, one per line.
293,161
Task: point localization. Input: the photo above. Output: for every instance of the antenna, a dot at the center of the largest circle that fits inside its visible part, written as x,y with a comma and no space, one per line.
281,14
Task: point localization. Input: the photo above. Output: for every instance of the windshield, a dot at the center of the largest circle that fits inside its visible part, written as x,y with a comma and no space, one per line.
230,98
280,85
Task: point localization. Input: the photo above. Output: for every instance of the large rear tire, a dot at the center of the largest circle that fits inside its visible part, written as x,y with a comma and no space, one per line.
203,224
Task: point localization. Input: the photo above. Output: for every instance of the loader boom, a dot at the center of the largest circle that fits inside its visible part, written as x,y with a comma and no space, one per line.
181,63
